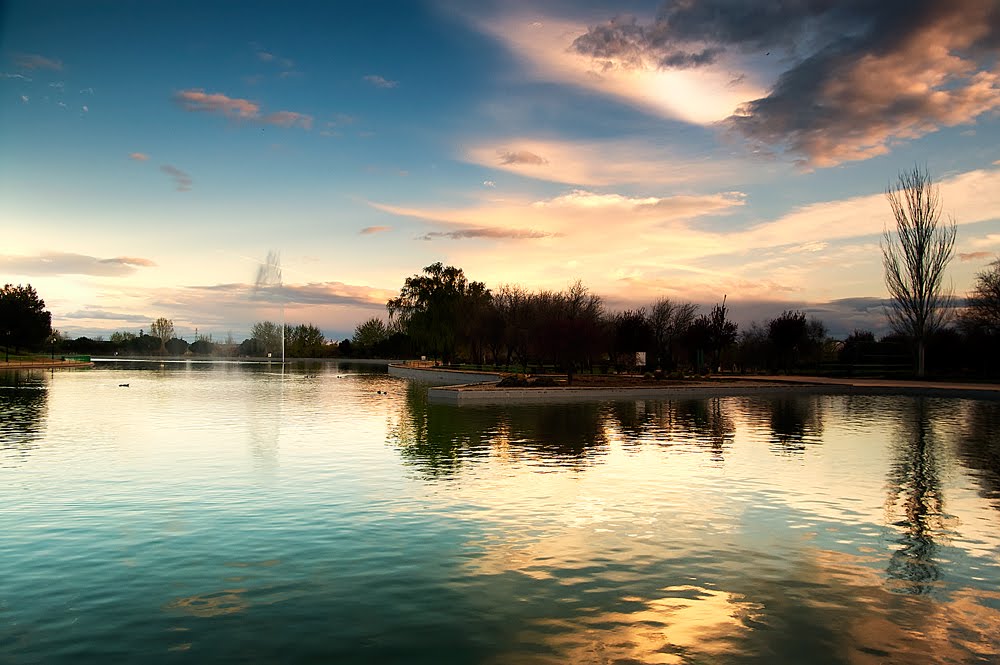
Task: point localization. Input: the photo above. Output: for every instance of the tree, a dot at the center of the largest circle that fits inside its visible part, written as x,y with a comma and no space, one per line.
982,313
369,334
163,329
915,259
176,346
24,321
430,307
268,334
669,321
305,341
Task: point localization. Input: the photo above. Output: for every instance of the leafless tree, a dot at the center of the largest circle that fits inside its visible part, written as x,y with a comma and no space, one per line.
915,257
982,312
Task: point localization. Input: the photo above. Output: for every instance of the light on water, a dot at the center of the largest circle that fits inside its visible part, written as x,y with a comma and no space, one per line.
214,512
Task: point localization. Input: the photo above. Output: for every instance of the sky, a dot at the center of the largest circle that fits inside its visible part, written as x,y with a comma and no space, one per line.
153,153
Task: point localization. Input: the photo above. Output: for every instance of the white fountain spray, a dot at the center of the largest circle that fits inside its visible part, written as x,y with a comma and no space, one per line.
269,277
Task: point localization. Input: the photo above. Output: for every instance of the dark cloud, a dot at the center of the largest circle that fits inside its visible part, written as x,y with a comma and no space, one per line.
317,293
859,74
61,263
487,232
102,315
521,157
182,181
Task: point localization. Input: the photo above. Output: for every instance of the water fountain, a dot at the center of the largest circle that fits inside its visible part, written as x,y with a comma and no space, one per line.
269,277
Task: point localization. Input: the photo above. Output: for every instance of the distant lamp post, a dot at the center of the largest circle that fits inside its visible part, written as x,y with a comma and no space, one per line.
52,347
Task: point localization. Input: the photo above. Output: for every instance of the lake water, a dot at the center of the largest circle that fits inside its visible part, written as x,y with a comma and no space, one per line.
329,514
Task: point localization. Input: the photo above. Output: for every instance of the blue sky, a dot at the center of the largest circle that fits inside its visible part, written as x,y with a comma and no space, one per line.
153,152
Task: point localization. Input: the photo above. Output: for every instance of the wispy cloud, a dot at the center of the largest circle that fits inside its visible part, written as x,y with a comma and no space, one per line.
22,77
488,232
182,181
216,102
138,156
64,263
199,101
35,61
974,256
604,163
368,230
25,99
380,82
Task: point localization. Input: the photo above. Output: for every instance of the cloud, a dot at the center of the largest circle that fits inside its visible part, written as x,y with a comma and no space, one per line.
63,263
231,107
857,76
489,183
380,82
15,76
182,181
199,101
368,230
545,45
604,163
104,315
85,108
974,256
288,119
34,61
487,232
25,99
138,156
508,158
313,293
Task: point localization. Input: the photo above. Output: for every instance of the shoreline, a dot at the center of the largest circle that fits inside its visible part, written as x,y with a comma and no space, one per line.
45,364
480,388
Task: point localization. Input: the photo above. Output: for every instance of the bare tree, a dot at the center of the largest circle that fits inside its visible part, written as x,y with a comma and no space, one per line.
982,311
162,328
915,258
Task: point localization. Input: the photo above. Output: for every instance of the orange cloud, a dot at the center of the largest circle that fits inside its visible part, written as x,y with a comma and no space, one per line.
240,109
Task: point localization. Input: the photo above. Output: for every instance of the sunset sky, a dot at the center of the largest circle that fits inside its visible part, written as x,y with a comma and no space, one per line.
152,153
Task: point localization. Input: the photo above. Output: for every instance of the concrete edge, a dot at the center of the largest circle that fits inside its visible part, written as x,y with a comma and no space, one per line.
457,396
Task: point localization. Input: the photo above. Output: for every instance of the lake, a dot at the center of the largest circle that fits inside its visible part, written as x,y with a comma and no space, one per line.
222,512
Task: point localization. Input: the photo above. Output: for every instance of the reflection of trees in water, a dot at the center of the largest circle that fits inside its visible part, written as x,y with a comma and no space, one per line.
979,446
24,405
439,438
700,420
792,422
914,502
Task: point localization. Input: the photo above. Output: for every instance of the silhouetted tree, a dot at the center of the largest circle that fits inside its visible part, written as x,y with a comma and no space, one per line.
369,334
176,347
203,347
24,321
982,312
304,341
668,321
915,258
430,306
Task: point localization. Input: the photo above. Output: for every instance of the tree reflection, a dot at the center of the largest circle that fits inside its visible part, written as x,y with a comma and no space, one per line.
24,405
440,438
914,503
979,447
791,423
